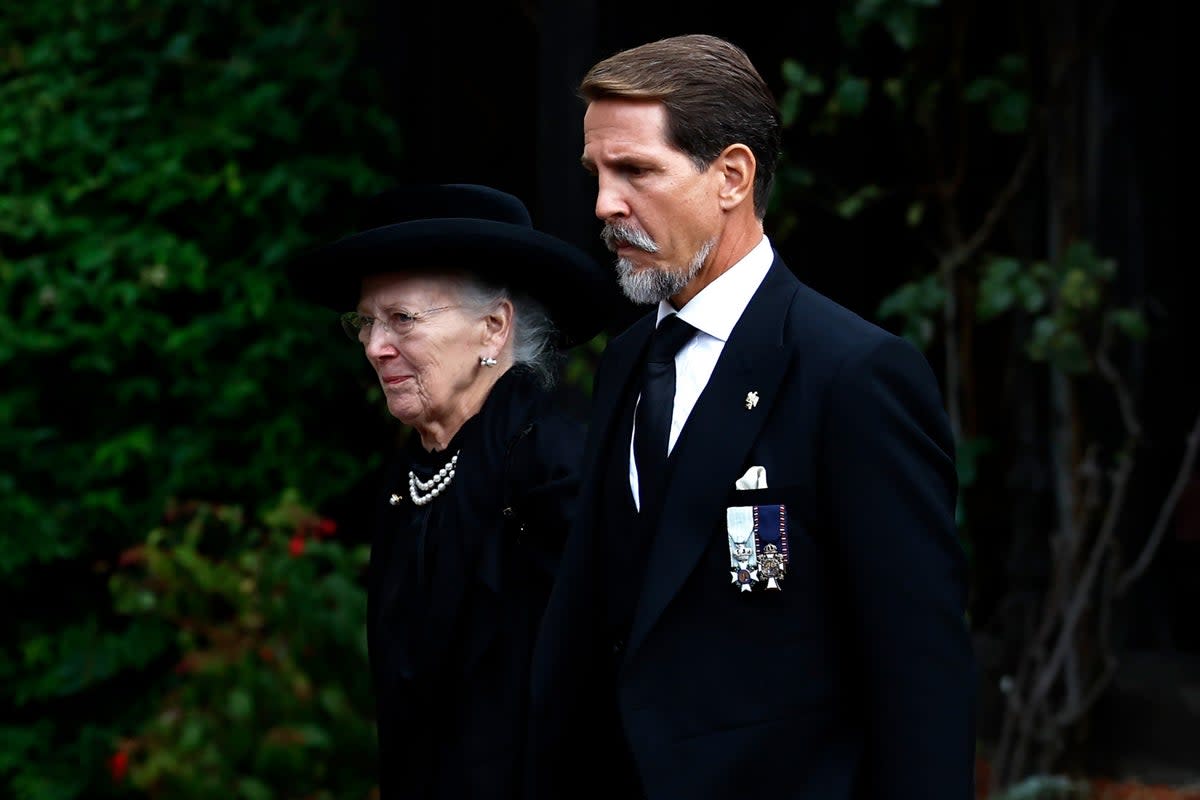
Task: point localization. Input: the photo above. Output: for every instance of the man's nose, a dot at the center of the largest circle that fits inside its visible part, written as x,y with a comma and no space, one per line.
609,202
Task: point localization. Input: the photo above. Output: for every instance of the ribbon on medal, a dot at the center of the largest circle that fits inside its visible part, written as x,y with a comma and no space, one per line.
771,544
743,558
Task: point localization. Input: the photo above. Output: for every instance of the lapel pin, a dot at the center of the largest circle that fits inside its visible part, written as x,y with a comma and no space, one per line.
394,499
751,400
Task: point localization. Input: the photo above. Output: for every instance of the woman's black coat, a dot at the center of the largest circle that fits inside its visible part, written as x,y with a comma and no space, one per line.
457,588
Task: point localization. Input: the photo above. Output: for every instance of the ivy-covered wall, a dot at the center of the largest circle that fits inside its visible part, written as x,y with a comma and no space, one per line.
179,622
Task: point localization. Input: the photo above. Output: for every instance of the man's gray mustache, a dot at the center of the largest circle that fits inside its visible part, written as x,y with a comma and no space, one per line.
614,236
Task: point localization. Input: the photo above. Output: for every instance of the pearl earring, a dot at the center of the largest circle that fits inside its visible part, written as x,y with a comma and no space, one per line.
487,361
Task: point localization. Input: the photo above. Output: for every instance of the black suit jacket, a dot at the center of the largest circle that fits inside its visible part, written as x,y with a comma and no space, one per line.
857,679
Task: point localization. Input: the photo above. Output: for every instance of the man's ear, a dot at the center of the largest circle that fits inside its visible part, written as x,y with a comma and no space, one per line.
737,167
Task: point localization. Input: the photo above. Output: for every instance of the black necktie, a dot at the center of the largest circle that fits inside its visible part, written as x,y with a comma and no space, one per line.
653,423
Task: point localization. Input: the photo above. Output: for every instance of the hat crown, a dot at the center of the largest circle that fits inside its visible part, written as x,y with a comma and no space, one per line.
445,201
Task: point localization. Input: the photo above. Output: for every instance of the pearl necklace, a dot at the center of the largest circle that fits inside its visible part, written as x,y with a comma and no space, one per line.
434,486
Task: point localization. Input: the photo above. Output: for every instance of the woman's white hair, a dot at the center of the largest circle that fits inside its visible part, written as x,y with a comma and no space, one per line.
534,332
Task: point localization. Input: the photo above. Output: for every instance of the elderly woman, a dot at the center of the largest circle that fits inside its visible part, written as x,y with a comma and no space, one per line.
463,310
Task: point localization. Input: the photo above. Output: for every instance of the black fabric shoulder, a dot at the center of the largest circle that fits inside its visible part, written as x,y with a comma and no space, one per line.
542,485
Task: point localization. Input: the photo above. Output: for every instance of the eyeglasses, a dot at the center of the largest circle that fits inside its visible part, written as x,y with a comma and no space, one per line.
399,323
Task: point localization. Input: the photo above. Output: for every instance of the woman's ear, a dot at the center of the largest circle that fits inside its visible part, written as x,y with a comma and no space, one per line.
498,326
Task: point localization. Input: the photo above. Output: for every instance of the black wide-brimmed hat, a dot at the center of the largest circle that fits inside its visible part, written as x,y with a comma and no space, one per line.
477,229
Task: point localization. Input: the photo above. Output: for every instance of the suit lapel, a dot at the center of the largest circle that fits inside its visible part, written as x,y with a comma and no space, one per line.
709,455
621,358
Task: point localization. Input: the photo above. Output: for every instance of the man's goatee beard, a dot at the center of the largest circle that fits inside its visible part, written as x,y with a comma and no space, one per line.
650,286
647,286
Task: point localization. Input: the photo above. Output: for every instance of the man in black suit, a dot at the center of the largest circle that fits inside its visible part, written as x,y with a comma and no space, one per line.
775,609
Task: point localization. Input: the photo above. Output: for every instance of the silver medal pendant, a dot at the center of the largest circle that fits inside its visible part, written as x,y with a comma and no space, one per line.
743,561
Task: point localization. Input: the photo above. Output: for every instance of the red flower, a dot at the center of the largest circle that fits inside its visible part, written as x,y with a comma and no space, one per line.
118,765
296,546
326,527
132,555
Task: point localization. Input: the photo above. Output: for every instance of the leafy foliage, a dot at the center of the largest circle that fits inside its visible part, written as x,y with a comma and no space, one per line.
271,632
1064,332
159,161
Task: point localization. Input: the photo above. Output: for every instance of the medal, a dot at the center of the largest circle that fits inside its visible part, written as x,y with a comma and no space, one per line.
770,535
743,560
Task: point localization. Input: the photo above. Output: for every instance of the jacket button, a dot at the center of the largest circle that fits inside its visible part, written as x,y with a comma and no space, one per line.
618,647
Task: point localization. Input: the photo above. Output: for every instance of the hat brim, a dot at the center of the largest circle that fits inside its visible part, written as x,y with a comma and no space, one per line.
577,291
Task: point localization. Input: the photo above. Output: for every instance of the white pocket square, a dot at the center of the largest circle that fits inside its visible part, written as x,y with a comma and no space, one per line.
755,478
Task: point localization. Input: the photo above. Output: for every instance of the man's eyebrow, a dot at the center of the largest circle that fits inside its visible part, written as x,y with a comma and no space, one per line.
621,160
